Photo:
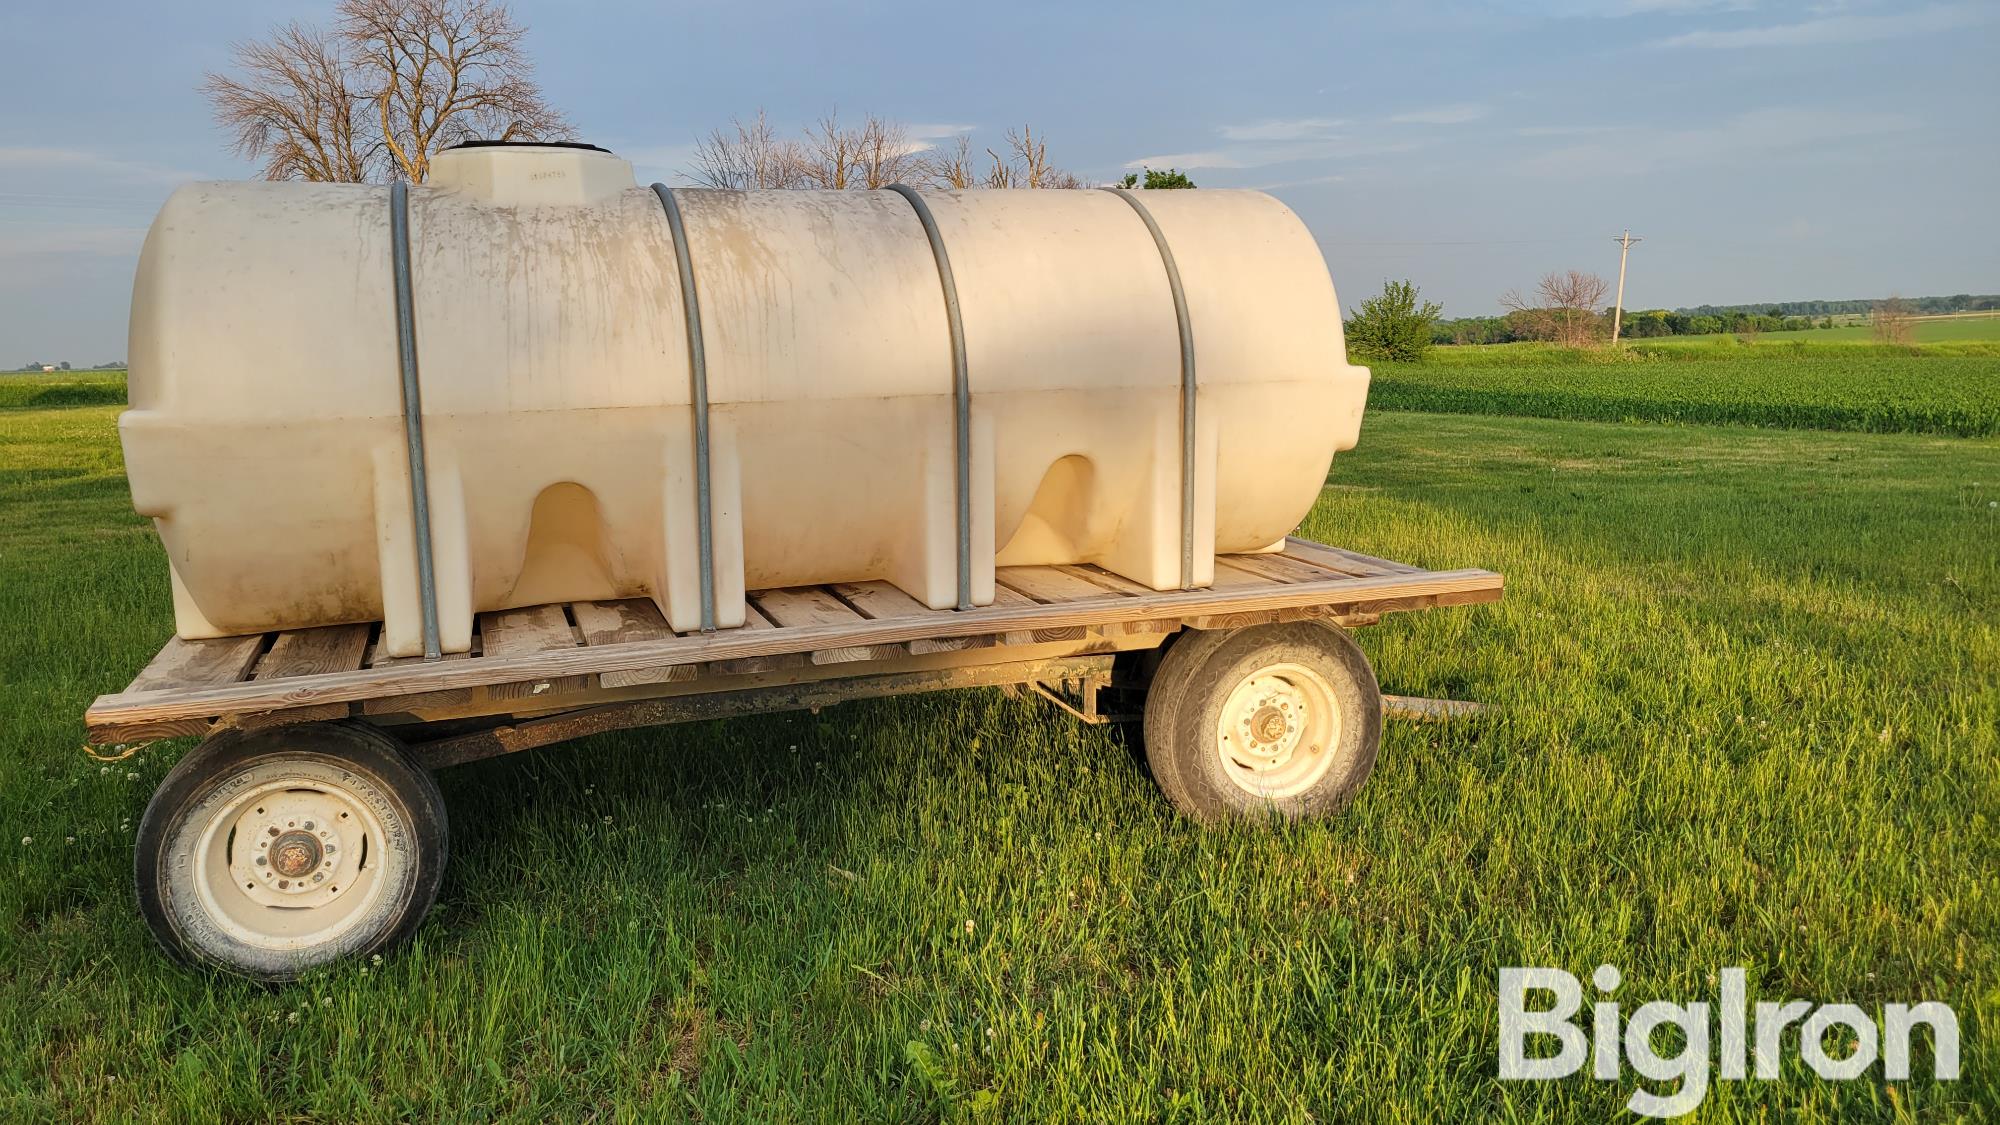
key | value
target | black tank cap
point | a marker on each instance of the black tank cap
(533, 144)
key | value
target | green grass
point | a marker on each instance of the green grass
(1745, 714)
(1852, 390)
(61, 388)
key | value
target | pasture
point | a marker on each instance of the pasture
(1744, 712)
(1829, 387)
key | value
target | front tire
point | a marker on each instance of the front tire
(271, 852)
(1281, 719)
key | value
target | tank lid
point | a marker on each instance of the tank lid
(531, 173)
(527, 144)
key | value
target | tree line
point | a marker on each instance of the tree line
(1921, 306)
(376, 95)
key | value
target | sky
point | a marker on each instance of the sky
(1765, 151)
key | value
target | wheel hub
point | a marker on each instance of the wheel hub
(1267, 724)
(1277, 730)
(294, 848)
(295, 854)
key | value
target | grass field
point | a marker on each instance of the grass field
(1834, 387)
(1745, 713)
(64, 388)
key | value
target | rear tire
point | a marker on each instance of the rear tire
(267, 853)
(1281, 719)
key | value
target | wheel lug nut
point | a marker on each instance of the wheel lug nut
(260, 861)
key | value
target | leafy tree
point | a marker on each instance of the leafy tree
(1393, 326)
(1156, 180)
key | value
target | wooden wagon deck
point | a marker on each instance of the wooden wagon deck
(551, 658)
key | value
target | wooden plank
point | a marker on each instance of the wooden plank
(1345, 561)
(756, 624)
(1119, 584)
(1006, 598)
(805, 606)
(181, 664)
(738, 644)
(1279, 568)
(614, 623)
(621, 622)
(531, 631)
(1097, 575)
(314, 652)
(1228, 577)
(1049, 585)
(517, 632)
(880, 601)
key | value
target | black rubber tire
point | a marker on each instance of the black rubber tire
(370, 763)
(1184, 705)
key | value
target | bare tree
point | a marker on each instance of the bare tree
(445, 71)
(394, 83)
(294, 106)
(875, 154)
(1029, 162)
(886, 155)
(1893, 322)
(829, 154)
(1563, 308)
(747, 156)
(949, 168)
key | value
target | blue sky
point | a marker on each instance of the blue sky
(1766, 151)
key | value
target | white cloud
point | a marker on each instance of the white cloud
(936, 132)
(1297, 129)
(1457, 114)
(1755, 133)
(1836, 29)
(1261, 144)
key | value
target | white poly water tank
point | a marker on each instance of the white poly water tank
(266, 434)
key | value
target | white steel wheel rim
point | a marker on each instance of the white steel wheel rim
(290, 862)
(1279, 731)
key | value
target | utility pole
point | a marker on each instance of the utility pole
(1618, 310)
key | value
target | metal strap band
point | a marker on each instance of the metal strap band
(698, 380)
(1187, 385)
(413, 414)
(961, 390)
